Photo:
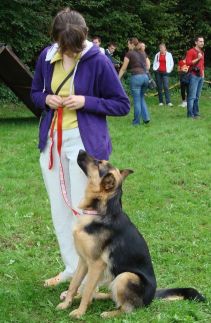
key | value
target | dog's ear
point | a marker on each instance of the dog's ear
(108, 182)
(125, 172)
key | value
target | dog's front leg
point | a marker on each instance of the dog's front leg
(74, 285)
(95, 271)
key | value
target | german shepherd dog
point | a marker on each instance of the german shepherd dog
(110, 246)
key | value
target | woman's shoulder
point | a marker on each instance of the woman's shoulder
(169, 54)
(130, 53)
(48, 52)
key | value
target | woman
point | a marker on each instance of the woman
(76, 116)
(138, 65)
(163, 65)
(142, 47)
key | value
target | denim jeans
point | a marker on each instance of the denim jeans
(162, 81)
(194, 91)
(138, 85)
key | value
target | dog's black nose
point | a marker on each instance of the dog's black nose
(81, 155)
(81, 151)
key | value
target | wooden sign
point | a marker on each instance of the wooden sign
(17, 77)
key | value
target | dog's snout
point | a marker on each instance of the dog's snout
(81, 155)
(81, 152)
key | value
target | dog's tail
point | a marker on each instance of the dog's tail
(179, 293)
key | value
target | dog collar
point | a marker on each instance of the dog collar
(90, 212)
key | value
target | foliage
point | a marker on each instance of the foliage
(25, 24)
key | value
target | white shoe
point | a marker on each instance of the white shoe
(160, 104)
(184, 104)
(170, 104)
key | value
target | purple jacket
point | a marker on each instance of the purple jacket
(96, 79)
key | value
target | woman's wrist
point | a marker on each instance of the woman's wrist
(47, 99)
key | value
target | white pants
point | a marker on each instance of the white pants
(75, 180)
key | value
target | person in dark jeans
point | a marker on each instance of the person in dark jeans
(195, 59)
(163, 65)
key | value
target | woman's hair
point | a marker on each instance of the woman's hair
(69, 30)
(133, 40)
(140, 45)
(97, 37)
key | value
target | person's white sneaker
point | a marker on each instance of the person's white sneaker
(170, 104)
(160, 104)
(184, 104)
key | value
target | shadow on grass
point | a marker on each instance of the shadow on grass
(19, 121)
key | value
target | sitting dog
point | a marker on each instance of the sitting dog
(110, 246)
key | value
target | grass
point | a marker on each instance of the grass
(168, 198)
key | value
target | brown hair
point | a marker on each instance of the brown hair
(69, 29)
(112, 44)
(196, 38)
(133, 40)
(97, 37)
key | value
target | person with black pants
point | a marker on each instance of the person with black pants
(182, 70)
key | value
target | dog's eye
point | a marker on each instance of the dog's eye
(103, 172)
(96, 162)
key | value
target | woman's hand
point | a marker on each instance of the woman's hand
(53, 101)
(74, 102)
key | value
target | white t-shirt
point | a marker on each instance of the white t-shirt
(102, 50)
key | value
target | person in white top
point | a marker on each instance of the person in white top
(96, 40)
(163, 65)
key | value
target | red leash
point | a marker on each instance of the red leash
(59, 113)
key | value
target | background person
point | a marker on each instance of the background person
(142, 47)
(195, 59)
(96, 40)
(163, 65)
(93, 92)
(182, 71)
(110, 52)
(136, 62)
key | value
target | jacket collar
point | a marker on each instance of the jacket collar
(54, 48)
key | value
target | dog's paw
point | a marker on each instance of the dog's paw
(63, 305)
(63, 295)
(76, 313)
(54, 281)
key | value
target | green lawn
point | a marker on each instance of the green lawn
(168, 198)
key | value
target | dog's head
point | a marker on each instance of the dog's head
(103, 179)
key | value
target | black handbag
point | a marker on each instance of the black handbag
(152, 84)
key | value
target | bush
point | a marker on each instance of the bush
(25, 24)
(6, 95)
